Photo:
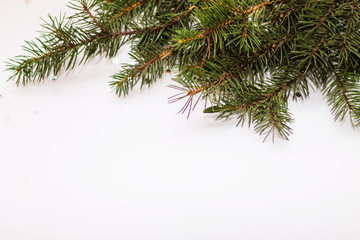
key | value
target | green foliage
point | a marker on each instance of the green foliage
(244, 57)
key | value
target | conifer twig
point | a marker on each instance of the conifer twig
(248, 58)
(86, 9)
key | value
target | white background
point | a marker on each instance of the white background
(77, 162)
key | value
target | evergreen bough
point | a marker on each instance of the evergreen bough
(246, 58)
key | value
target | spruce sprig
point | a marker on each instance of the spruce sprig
(247, 58)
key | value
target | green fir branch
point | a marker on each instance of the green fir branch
(247, 58)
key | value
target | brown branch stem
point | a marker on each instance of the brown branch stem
(86, 9)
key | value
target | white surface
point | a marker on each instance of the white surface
(77, 162)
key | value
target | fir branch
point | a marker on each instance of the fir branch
(272, 120)
(140, 68)
(238, 67)
(327, 14)
(246, 57)
(63, 37)
(180, 18)
(207, 89)
(154, 29)
(344, 95)
(86, 9)
(207, 32)
(268, 111)
(269, 96)
(125, 82)
(320, 43)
